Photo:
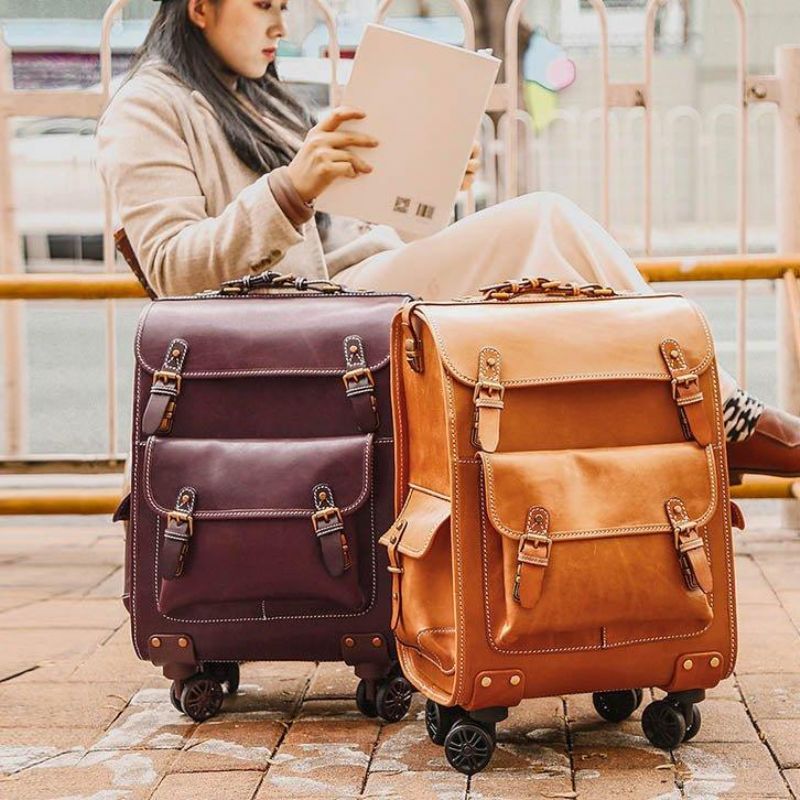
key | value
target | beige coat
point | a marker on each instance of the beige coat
(194, 213)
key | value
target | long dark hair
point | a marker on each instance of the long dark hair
(173, 38)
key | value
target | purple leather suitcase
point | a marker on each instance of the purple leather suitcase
(261, 478)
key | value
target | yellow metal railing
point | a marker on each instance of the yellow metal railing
(46, 286)
(125, 286)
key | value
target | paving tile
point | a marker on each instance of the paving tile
(505, 784)
(783, 737)
(405, 746)
(53, 576)
(222, 745)
(729, 770)
(790, 600)
(104, 614)
(24, 649)
(21, 748)
(63, 705)
(793, 778)
(725, 721)
(147, 725)
(238, 785)
(772, 696)
(419, 785)
(628, 768)
(321, 757)
(782, 570)
(332, 680)
(15, 598)
(108, 775)
(751, 585)
(769, 641)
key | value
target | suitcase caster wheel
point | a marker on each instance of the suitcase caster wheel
(439, 720)
(693, 728)
(225, 672)
(175, 695)
(468, 747)
(201, 697)
(363, 703)
(617, 706)
(664, 725)
(393, 698)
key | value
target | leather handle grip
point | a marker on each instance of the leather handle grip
(274, 280)
(506, 290)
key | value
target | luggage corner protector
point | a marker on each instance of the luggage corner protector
(696, 671)
(498, 688)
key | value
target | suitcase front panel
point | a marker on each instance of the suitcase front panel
(609, 556)
(252, 537)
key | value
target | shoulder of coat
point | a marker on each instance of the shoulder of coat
(152, 84)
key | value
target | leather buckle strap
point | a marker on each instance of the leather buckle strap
(178, 534)
(533, 556)
(687, 394)
(488, 401)
(328, 525)
(395, 534)
(164, 391)
(359, 384)
(690, 547)
(412, 345)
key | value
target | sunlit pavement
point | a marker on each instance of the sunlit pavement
(81, 717)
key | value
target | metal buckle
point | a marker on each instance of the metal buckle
(178, 517)
(323, 515)
(682, 380)
(355, 375)
(489, 387)
(681, 528)
(535, 537)
(164, 376)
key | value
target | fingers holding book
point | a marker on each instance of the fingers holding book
(324, 154)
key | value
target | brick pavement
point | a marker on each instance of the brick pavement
(82, 719)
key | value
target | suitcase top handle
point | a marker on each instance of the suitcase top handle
(272, 280)
(513, 288)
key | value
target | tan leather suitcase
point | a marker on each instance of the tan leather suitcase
(564, 521)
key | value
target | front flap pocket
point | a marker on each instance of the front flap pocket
(423, 515)
(244, 520)
(599, 540)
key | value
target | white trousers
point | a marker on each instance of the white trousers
(537, 234)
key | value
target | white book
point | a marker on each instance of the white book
(423, 102)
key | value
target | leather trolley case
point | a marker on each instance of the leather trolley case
(261, 478)
(564, 522)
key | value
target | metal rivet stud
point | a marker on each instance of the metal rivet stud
(155, 642)
(353, 348)
(715, 662)
(377, 641)
(323, 495)
(515, 680)
(183, 642)
(674, 354)
(349, 642)
(491, 361)
(486, 681)
(688, 664)
(176, 353)
(185, 498)
(395, 596)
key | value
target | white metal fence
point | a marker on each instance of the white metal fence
(661, 179)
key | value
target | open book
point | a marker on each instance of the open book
(423, 102)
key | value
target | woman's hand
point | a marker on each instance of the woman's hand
(323, 156)
(473, 166)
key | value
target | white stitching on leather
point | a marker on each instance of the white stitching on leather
(256, 513)
(497, 523)
(445, 357)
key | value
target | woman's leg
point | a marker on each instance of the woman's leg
(536, 234)
(546, 234)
